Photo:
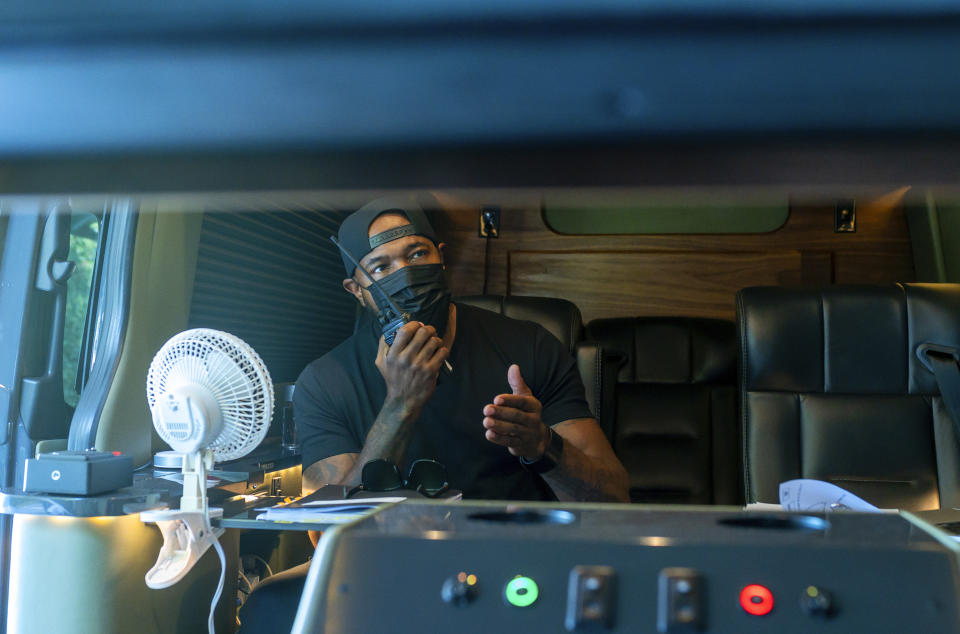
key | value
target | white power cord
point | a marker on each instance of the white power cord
(223, 575)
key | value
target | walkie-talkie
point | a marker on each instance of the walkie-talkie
(391, 318)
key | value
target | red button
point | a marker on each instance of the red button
(756, 600)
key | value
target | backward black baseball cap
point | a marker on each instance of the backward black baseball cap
(354, 230)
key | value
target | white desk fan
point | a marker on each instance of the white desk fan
(211, 398)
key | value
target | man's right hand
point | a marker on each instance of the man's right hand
(411, 365)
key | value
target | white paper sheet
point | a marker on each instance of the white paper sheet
(326, 511)
(816, 495)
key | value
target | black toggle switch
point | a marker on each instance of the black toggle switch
(460, 589)
(591, 599)
(680, 600)
(817, 602)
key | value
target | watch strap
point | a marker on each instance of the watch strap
(551, 455)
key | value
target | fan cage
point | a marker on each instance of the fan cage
(233, 372)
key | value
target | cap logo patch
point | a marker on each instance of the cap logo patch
(392, 234)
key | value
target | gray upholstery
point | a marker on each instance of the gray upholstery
(832, 390)
(674, 422)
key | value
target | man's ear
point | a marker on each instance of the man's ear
(440, 248)
(351, 286)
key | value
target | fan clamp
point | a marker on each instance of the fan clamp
(187, 532)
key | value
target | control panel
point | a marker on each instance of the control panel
(456, 568)
(592, 601)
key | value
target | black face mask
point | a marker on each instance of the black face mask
(420, 290)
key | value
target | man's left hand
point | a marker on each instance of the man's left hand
(513, 420)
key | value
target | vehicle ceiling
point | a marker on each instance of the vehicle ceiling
(296, 95)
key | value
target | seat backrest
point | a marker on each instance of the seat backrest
(674, 422)
(832, 389)
(562, 319)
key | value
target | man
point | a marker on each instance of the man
(507, 417)
(499, 402)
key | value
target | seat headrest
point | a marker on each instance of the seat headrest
(560, 317)
(670, 349)
(845, 339)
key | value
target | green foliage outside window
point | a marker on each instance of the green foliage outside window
(84, 237)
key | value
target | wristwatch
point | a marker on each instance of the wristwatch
(551, 455)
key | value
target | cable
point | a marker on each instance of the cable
(264, 562)
(216, 595)
(488, 230)
(144, 465)
(223, 558)
(486, 263)
(246, 581)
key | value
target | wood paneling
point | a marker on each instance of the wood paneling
(624, 284)
(872, 268)
(879, 252)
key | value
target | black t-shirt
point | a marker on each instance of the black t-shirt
(339, 395)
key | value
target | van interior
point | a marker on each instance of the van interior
(262, 266)
(653, 274)
(743, 220)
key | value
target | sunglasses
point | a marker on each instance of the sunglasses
(427, 477)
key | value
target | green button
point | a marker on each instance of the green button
(521, 591)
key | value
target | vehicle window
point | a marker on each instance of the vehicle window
(665, 211)
(84, 238)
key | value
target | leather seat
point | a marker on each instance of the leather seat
(674, 422)
(560, 317)
(832, 389)
(563, 320)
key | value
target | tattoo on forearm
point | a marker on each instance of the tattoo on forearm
(580, 478)
(388, 439)
(322, 473)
